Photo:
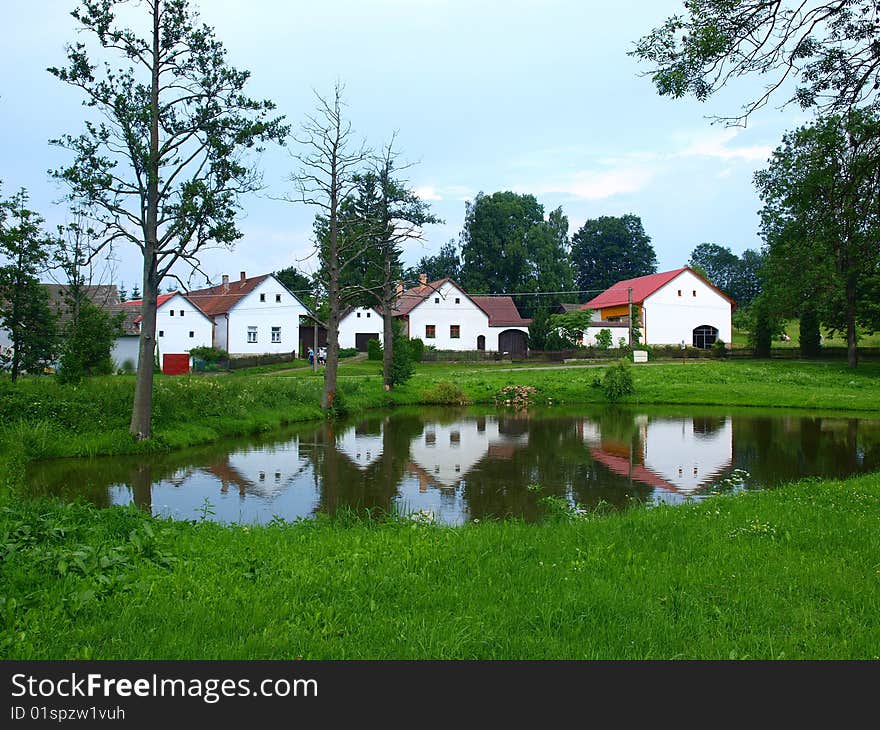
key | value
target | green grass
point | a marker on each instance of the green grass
(791, 573)
(793, 330)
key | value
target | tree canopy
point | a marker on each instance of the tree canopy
(737, 276)
(609, 249)
(830, 50)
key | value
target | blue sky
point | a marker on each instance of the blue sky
(535, 97)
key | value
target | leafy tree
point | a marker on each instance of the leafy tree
(750, 277)
(810, 337)
(300, 284)
(765, 324)
(609, 249)
(24, 304)
(495, 243)
(539, 329)
(548, 248)
(604, 340)
(738, 277)
(403, 362)
(445, 263)
(830, 48)
(88, 342)
(821, 219)
(567, 330)
(164, 165)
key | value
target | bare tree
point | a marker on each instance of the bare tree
(164, 165)
(327, 175)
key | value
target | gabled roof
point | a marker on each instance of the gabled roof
(103, 296)
(221, 298)
(502, 311)
(411, 298)
(136, 304)
(643, 287)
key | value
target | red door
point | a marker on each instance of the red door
(175, 364)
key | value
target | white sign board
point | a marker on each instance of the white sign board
(640, 356)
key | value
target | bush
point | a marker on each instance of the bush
(402, 368)
(618, 382)
(446, 393)
(209, 354)
(127, 366)
(719, 349)
(416, 349)
(604, 339)
(347, 352)
(374, 350)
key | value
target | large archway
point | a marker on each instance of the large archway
(513, 343)
(705, 336)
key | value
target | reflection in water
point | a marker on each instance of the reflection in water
(457, 466)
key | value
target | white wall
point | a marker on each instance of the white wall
(669, 318)
(685, 459)
(472, 320)
(616, 333)
(173, 331)
(361, 319)
(126, 348)
(264, 315)
(362, 449)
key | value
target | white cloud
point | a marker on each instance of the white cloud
(597, 184)
(428, 192)
(717, 146)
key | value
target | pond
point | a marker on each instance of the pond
(455, 465)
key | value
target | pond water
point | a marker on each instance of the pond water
(456, 465)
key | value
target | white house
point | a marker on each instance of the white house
(675, 306)
(442, 314)
(360, 325)
(251, 316)
(180, 325)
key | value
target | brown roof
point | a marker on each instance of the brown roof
(223, 297)
(411, 298)
(502, 311)
(103, 296)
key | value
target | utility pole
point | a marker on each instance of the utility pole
(629, 304)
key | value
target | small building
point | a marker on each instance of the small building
(675, 307)
(442, 314)
(358, 326)
(180, 324)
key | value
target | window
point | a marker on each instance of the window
(171, 313)
(430, 331)
(458, 300)
(436, 300)
(430, 438)
(278, 299)
(368, 315)
(276, 335)
(192, 334)
(359, 315)
(455, 438)
(181, 312)
(252, 334)
(679, 292)
(455, 331)
(695, 292)
(161, 333)
(262, 297)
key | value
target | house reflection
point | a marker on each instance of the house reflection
(676, 457)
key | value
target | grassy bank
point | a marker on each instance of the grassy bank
(790, 573)
(43, 419)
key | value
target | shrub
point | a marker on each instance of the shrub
(374, 350)
(621, 343)
(604, 339)
(416, 349)
(347, 352)
(618, 382)
(719, 349)
(402, 367)
(209, 354)
(127, 366)
(446, 393)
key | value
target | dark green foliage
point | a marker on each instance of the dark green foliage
(347, 352)
(374, 350)
(604, 339)
(87, 343)
(609, 249)
(765, 324)
(209, 354)
(830, 49)
(402, 361)
(416, 349)
(810, 337)
(719, 348)
(24, 304)
(301, 285)
(445, 264)
(617, 382)
(567, 330)
(539, 329)
(739, 278)
(446, 393)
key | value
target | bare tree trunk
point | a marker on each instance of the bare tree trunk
(388, 326)
(142, 410)
(332, 366)
(852, 350)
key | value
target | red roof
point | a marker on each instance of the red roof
(223, 297)
(643, 287)
(638, 472)
(160, 300)
(411, 298)
(502, 311)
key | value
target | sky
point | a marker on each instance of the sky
(531, 96)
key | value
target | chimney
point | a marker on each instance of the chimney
(423, 279)
(243, 277)
(225, 282)
(398, 289)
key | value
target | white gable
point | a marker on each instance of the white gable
(681, 305)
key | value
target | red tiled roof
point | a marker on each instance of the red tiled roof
(160, 300)
(411, 298)
(638, 472)
(502, 311)
(643, 287)
(221, 298)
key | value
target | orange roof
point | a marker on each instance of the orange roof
(223, 297)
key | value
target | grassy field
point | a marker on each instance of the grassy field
(793, 330)
(790, 573)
